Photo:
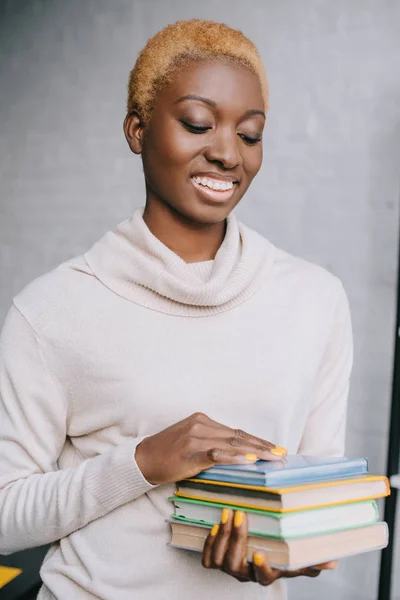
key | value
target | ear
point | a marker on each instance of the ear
(134, 129)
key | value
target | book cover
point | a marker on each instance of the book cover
(294, 553)
(291, 470)
(271, 524)
(287, 498)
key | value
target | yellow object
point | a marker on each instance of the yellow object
(251, 457)
(286, 490)
(238, 518)
(7, 574)
(224, 516)
(282, 491)
(278, 451)
(258, 559)
(214, 529)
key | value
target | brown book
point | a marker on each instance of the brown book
(295, 553)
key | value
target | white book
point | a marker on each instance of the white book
(287, 525)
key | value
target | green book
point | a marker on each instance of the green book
(301, 523)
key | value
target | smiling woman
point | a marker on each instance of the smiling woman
(180, 340)
(197, 143)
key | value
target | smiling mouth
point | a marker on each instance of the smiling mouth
(214, 189)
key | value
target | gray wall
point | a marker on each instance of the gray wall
(328, 190)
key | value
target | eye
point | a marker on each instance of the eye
(251, 141)
(195, 128)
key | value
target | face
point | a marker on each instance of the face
(202, 146)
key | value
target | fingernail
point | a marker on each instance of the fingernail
(224, 516)
(278, 451)
(258, 559)
(238, 520)
(251, 457)
(214, 529)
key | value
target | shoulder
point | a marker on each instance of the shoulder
(302, 284)
(304, 273)
(58, 292)
(312, 284)
(295, 272)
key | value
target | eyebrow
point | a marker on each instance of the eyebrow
(248, 113)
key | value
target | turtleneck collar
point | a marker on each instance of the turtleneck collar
(136, 265)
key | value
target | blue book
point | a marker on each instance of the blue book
(290, 470)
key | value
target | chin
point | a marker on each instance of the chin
(205, 212)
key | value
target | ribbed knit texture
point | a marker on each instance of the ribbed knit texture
(134, 264)
(104, 351)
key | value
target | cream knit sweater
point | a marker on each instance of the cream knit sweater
(121, 343)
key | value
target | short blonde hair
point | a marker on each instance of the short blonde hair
(182, 43)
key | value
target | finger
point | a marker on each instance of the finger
(239, 436)
(263, 573)
(220, 456)
(263, 448)
(237, 447)
(315, 570)
(236, 556)
(305, 572)
(208, 546)
(328, 566)
(221, 542)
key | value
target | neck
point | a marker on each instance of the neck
(193, 242)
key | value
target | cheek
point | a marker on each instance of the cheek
(252, 160)
(174, 147)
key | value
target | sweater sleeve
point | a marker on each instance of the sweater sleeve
(39, 503)
(325, 429)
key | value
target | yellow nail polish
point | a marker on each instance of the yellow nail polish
(251, 457)
(238, 519)
(214, 529)
(224, 516)
(258, 559)
(278, 451)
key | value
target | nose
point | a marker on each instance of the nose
(224, 149)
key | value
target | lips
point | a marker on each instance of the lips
(213, 188)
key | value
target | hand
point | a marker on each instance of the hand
(226, 549)
(195, 444)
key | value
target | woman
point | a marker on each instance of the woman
(180, 340)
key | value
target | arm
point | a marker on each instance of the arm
(38, 503)
(324, 432)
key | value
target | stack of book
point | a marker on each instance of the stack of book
(302, 510)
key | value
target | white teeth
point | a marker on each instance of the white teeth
(213, 184)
